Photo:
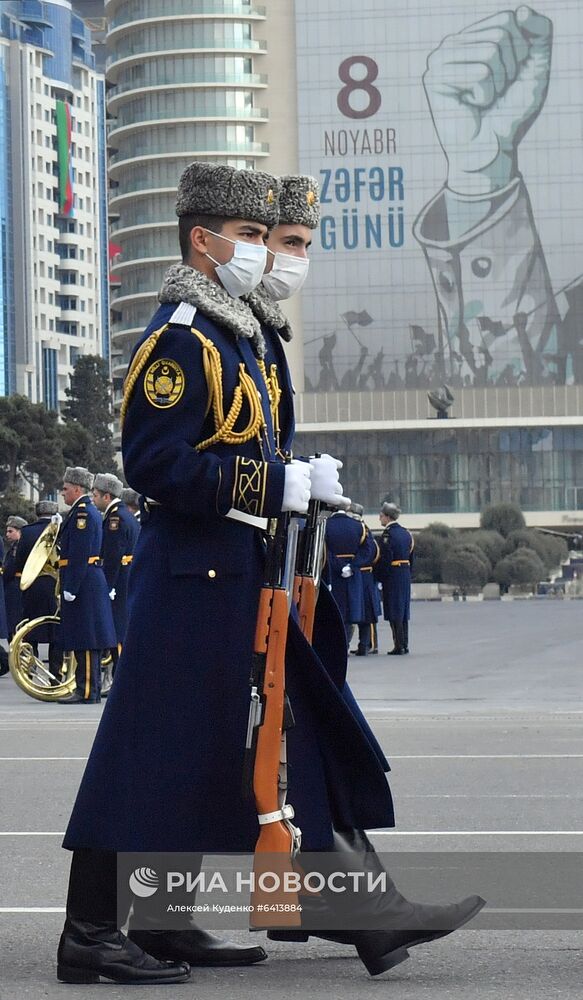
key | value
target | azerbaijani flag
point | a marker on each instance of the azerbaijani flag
(64, 158)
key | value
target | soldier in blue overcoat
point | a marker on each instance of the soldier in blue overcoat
(40, 599)
(287, 248)
(200, 444)
(367, 627)
(120, 533)
(11, 575)
(345, 536)
(86, 620)
(132, 501)
(394, 572)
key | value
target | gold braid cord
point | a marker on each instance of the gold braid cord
(273, 391)
(137, 366)
(213, 372)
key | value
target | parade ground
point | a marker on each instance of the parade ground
(483, 726)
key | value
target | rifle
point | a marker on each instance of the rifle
(265, 764)
(309, 566)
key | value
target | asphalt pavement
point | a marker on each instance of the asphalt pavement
(483, 726)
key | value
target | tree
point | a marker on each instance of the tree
(89, 406)
(491, 543)
(30, 444)
(15, 503)
(465, 569)
(550, 550)
(429, 552)
(464, 544)
(521, 566)
(502, 517)
(441, 529)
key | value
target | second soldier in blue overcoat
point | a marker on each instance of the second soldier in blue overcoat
(394, 572)
(344, 540)
(86, 619)
(120, 533)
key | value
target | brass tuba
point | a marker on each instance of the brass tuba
(31, 674)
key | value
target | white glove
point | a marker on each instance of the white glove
(296, 491)
(112, 594)
(68, 596)
(56, 519)
(346, 572)
(326, 482)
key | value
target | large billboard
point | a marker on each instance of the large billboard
(447, 139)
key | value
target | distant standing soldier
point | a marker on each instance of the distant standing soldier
(12, 591)
(367, 628)
(40, 599)
(86, 619)
(344, 540)
(132, 501)
(120, 533)
(394, 572)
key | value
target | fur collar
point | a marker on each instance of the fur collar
(185, 284)
(269, 312)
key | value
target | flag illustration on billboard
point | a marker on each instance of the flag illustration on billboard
(357, 318)
(64, 158)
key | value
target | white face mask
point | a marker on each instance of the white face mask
(243, 272)
(286, 276)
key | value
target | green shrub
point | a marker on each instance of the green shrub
(465, 568)
(502, 517)
(521, 566)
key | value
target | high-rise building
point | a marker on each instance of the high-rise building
(54, 291)
(185, 81)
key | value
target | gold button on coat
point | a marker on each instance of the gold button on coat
(212, 573)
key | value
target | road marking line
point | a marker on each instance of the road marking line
(475, 833)
(486, 756)
(32, 909)
(4, 759)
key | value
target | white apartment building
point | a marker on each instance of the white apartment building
(55, 281)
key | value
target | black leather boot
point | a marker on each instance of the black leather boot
(96, 952)
(400, 924)
(397, 630)
(197, 947)
(92, 949)
(406, 636)
(192, 945)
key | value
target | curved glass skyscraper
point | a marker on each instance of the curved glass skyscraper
(184, 83)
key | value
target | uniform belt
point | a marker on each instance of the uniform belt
(400, 562)
(92, 561)
(126, 560)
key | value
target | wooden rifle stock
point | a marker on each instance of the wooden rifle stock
(265, 762)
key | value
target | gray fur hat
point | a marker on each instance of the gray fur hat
(15, 522)
(78, 476)
(299, 201)
(216, 189)
(130, 496)
(391, 510)
(105, 482)
(46, 508)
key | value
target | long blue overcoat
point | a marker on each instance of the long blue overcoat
(120, 534)
(394, 572)
(38, 600)
(344, 542)
(165, 769)
(86, 622)
(371, 595)
(12, 591)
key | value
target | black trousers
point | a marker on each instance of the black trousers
(367, 638)
(88, 674)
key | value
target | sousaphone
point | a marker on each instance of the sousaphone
(32, 674)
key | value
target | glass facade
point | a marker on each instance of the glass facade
(103, 243)
(7, 320)
(458, 470)
(50, 382)
(176, 70)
